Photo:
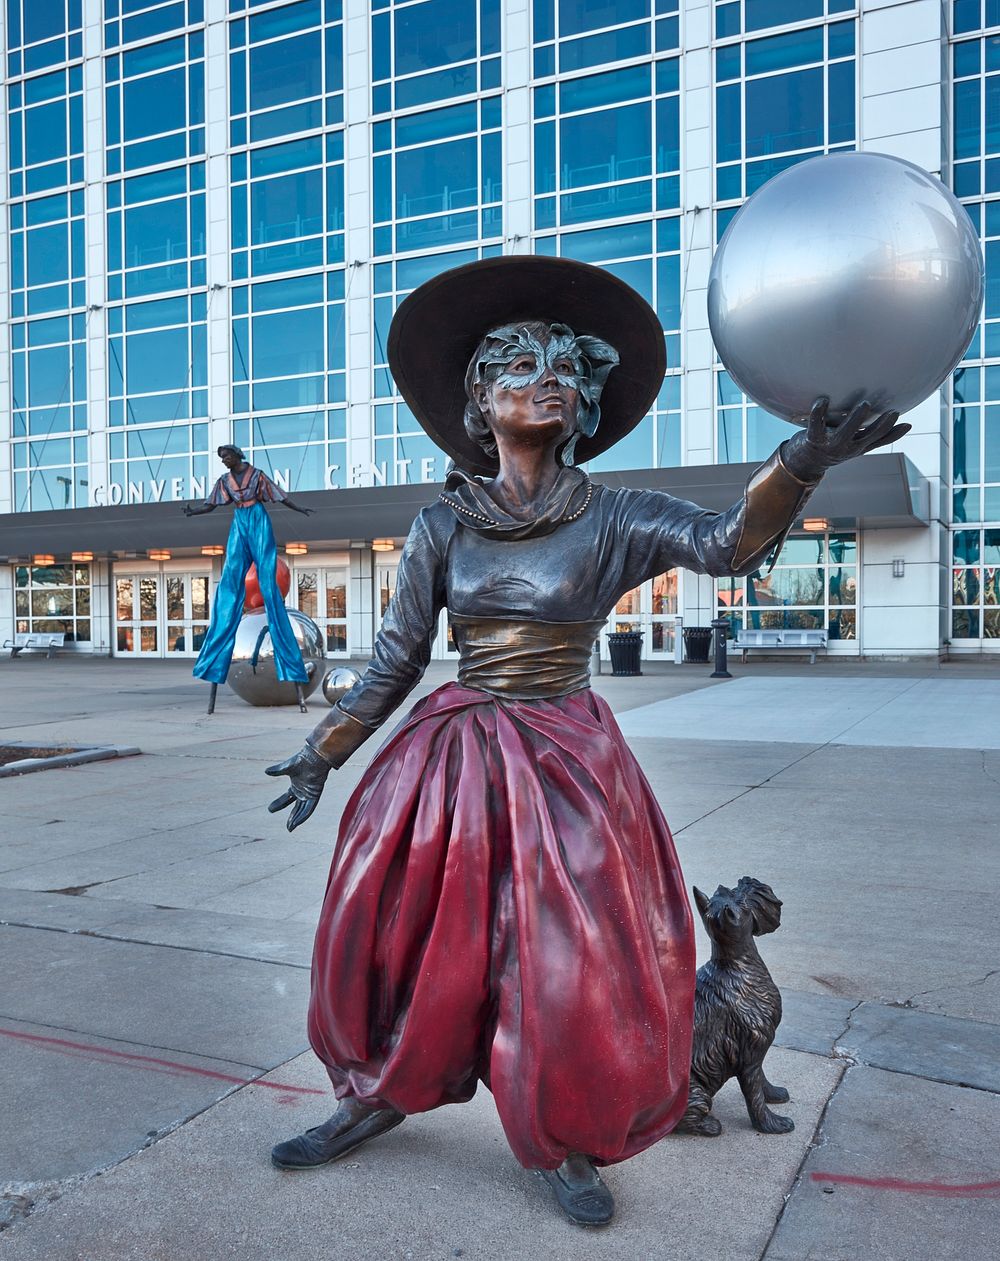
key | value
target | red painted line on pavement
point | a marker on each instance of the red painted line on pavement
(150, 1062)
(947, 1190)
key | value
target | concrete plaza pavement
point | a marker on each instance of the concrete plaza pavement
(156, 925)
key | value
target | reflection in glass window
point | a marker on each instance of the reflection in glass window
(780, 99)
(286, 70)
(433, 50)
(438, 177)
(125, 24)
(155, 103)
(813, 586)
(322, 595)
(975, 584)
(601, 139)
(42, 33)
(581, 34)
(744, 431)
(156, 232)
(289, 352)
(53, 599)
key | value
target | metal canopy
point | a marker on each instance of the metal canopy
(877, 492)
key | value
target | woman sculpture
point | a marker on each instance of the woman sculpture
(251, 541)
(505, 904)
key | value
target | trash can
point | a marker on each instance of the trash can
(697, 642)
(626, 652)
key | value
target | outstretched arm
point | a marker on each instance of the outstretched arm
(666, 533)
(191, 511)
(402, 651)
(290, 503)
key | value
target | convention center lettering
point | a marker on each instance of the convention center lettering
(160, 490)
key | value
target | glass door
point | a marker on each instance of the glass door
(322, 595)
(187, 606)
(137, 615)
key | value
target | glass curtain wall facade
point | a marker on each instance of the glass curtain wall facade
(213, 208)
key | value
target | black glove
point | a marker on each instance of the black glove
(308, 772)
(823, 443)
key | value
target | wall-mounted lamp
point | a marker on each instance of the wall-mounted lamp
(898, 567)
(212, 549)
(295, 549)
(816, 525)
(43, 560)
(82, 556)
(158, 553)
(383, 545)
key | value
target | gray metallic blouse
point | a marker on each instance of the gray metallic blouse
(552, 581)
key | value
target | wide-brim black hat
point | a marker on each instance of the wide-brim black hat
(437, 329)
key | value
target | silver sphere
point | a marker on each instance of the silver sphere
(338, 682)
(855, 275)
(260, 685)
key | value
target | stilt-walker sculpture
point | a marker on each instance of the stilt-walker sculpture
(251, 541)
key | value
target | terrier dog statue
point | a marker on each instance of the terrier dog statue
(737, 1009)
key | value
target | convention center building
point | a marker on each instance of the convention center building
(213, 207)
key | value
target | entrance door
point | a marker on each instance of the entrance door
(137, 615)
(161, 614)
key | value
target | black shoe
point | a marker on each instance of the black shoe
(316, 1148)
(587, 1206)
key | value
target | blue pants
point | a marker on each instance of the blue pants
(251, 541)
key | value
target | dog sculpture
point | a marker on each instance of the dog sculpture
(737, 1009)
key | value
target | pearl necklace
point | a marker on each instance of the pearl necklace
(479, 516)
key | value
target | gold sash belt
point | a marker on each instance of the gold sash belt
(524, 660)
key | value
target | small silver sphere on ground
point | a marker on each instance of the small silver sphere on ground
(338, 682)
(259, 685)
(855, 275)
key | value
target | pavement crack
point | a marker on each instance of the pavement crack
(949, 985)
(106, 935)
(816, 1140)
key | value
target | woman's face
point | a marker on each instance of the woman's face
(534, 400)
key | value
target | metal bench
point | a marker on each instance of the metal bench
(810, 641)
(46, 642)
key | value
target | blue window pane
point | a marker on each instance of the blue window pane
(157, 361)
(728, 62)
(598, 50)
(155, 104)
(841, 39)
(43, 20)
(966, 16)
(436, 33)
(992, 113)
(967, 143)
(48, 376)
(599, 203)
(436, 124)
(604, 89)
(45, 132)
(292, 17)
(668, 136)
(784, 112)
(577, 16)
(668, 289)
(841, 121)
(727, 19)
(437, 177)
(48, 255)
(780, 52)
(613, 241)
(545, 158)
(289, 343)
(289, 206)
(606, 147)
(633, 451)
(156, 233)
(764, 13)
(425, 88)
(728, 134)
(286, 71)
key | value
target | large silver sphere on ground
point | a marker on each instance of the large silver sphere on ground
(338, 682)
(856, 275)
(258, 684)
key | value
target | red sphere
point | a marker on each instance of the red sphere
(254, 599)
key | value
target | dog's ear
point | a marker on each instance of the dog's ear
(764, 906)
(700, 900)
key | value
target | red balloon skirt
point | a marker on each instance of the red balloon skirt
(505, 905)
